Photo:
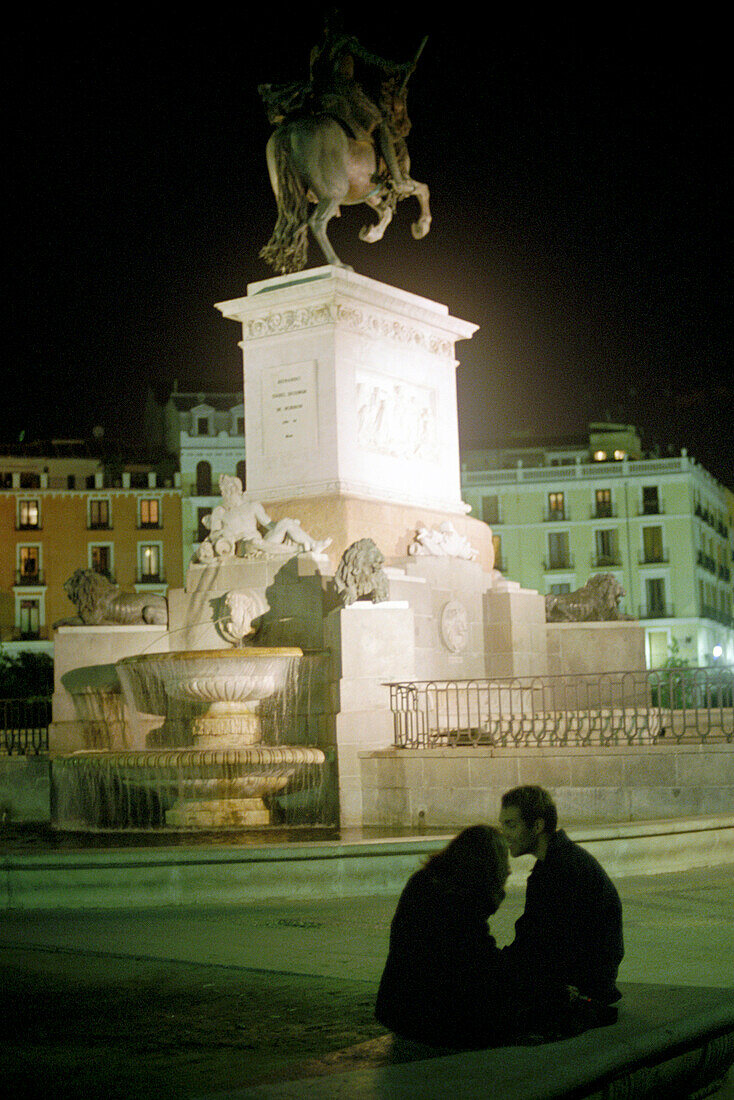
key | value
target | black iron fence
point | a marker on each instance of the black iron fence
(613, 708)
(24, 726)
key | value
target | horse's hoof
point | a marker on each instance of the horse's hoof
(420, 228)
(369, 235)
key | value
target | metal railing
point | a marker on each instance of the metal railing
(24, 726)
(613, 708)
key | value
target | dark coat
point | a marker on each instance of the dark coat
(442, 982)
(571, 930)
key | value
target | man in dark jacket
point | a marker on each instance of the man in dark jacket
(571, 930)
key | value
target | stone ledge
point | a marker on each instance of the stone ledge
(669, 1041)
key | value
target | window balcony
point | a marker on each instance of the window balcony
(603, 511)
(657, 611)
(716, 615)
(29, 526)
(654, 557)
(557, 563)
(606, 561)
(99, 525)
(31, 578)
(705, 562)
(152, 525)
(556, 515)
(151, 578)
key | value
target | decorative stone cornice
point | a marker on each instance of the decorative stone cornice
(365, 322)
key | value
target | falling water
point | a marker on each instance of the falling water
(151, 771)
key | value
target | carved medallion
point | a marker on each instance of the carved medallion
(454, 626)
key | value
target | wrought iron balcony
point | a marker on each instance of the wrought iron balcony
(30, 577)
(654, 557)
(558, 562)
(657, 611)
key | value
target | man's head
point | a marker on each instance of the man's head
(528, 819)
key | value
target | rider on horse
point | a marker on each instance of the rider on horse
(364, 92)
(338, 91)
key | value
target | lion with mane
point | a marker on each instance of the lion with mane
(359, 575)
(98, 600)
(597, 601)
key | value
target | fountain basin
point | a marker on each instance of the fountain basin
(178, 788)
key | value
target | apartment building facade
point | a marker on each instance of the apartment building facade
(60, 512)
(206, 432)
(562, 511)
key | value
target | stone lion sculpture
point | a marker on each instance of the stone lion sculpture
(98, 600)
(597, 601)
(359, 575)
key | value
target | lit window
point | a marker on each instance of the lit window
(150, 513)
(556, 506)
(28, 513)
(150, 562)
(600, 456)
(619, 455)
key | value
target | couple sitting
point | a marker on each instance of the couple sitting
(446, 983)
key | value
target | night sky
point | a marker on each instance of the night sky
(580, 176)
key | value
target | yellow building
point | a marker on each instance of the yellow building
(563, 511)
(62, 512)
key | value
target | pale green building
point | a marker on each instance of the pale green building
(563, 510)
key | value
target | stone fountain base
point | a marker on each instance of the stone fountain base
(177, 788)
(218, 813)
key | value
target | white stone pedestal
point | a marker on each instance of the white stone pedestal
(515, 631)
(350, 408)
(371, 644)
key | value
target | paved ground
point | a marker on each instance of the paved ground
(185, 1002)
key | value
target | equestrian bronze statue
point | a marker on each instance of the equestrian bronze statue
(339, 141)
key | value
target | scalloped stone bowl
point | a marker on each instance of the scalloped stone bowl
(220, 780)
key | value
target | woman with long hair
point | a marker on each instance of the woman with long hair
(443, 981)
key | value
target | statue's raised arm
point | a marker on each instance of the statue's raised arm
(339, 141)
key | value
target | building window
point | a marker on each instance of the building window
(29, 618)
(30, 480)
(29, 565)
(491, 509)
(499, 562)
(242, 472)
(603, 503)
(203, 479)
(29, 514)
(607, 551)
(650, 500)
(556, 506)
(150, 563)
(655, 593)
(201, 530)
(99, 514)
(652, 544)
(240, 425)
(100, 559)
(150, 512)
(202, 425)
(558, 555)
(70, 481)
(559, 589)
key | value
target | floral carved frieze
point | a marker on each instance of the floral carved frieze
(363, 322)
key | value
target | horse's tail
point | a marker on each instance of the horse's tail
(287, 249)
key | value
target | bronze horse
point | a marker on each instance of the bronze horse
(313, 159)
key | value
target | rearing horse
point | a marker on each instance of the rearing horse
(313, 159)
